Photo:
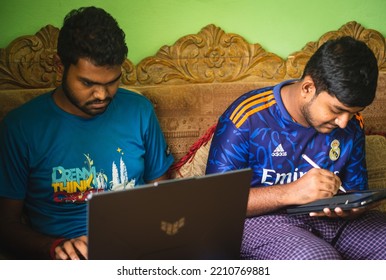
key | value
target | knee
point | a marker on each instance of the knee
(315, 251)
(291, 250)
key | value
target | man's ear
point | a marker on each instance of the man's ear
(308, 89)
(59, 69)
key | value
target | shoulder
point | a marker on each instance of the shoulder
(250, 104)
(132, 98)
(253, 95)
(33, 107)
(356, 124)
(354, 132)
(131, 95)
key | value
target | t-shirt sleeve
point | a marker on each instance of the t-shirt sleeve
(354, 176)
(158, 157)
(229, 148)
(13, 162)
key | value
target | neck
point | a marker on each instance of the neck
(291, 97)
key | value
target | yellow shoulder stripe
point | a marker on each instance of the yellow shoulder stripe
(246, 108)
(251, 112)
(250, 99)
(359, 117)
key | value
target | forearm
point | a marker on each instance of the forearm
(316, 184)
(263, 200)
(20, 240)
(17, 236)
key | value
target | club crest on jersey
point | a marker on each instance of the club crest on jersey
(335, 150)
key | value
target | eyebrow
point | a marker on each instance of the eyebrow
(342, 109)
(101, 84)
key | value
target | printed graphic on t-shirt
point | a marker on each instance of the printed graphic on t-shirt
(73, 185)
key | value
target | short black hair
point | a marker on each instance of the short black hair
(91, 33)
(345, 68)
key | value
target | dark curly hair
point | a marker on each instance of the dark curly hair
(92, 33)
(345, 68)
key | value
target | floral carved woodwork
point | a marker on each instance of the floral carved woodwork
(28, 61)
(296, 62)
(209, 56)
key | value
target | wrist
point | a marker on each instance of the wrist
(56, 243)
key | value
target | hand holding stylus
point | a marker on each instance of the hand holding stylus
(310, 161)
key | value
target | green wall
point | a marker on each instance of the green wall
(280, 26)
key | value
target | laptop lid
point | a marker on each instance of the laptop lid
(191, 218)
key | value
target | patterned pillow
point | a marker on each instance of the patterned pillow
(376, 162)
(194, 163)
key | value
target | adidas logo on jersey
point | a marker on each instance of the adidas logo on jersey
(279, 152)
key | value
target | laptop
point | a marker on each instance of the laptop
(346, 201)
(190, 218)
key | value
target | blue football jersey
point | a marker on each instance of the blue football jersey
(256, 131)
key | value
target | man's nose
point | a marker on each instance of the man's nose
(343, 119)
(100, 92)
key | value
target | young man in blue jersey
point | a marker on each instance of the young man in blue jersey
(86, 136)
(269, 130)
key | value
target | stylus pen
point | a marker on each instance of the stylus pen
(310, 161)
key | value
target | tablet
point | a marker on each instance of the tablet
(346, 201)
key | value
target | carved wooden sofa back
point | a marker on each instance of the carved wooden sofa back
(191, 82)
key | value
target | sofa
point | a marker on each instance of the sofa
(191, 83)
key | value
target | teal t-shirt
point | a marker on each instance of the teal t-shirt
(53, 160)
